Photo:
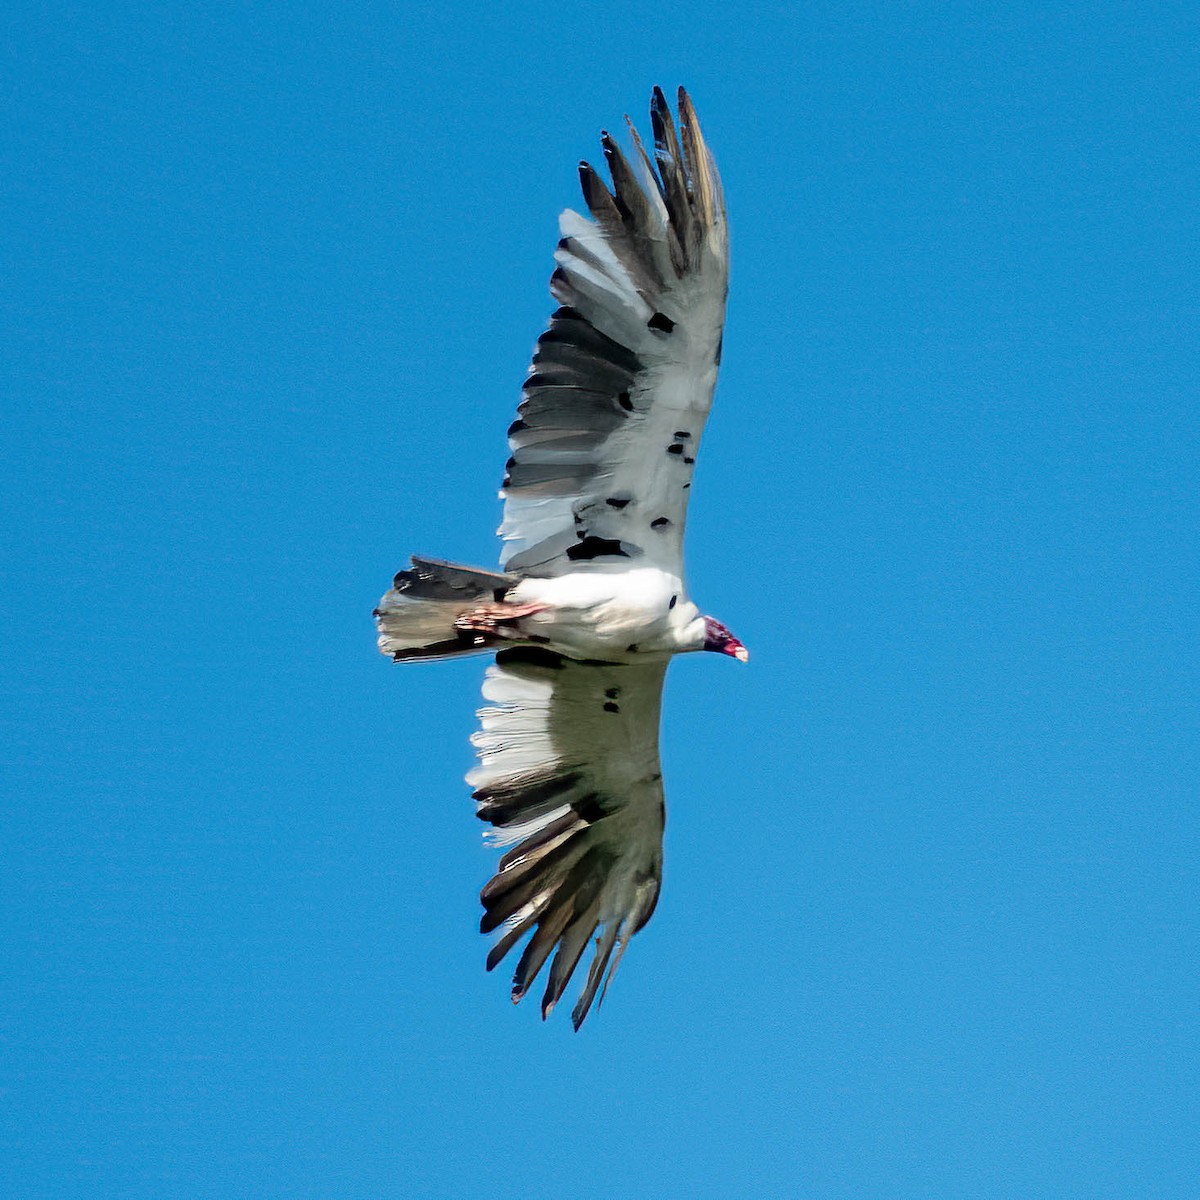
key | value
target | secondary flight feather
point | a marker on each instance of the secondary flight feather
(590, 603)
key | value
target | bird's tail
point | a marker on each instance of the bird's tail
(417, 618)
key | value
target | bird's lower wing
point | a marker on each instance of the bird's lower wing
(569, 776)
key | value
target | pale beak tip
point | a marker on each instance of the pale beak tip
(742, 654)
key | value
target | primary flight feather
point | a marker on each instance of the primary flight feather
(590, 604)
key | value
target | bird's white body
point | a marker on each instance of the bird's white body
(617, 617)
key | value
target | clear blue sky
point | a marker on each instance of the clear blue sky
(271, 277)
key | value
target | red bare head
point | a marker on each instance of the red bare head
(717, 637)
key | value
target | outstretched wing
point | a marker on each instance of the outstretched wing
(622, 381)
(569, 776)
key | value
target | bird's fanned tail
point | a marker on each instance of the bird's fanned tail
(417, 618)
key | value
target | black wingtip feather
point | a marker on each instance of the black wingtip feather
(596, 195)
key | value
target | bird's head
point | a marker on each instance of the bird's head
(718, 638)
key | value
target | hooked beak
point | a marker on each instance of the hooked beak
(718, 638)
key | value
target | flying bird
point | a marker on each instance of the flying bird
(590, 603)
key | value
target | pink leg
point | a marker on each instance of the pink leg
(490, 619)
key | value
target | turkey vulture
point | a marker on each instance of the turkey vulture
(590, 603)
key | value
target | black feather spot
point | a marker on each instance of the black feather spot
(675, 448)
(595, 547)
(612, 693)
(720, 347)
(624, 401)
(674, 601)
(660, 322)
(609, 706)
(631, 648)
(499, 593)
(532, 656)
(687, 460)
(682, 434)
(659, 523)
(590, 807)
(617, 501)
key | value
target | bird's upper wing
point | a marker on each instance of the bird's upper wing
(622, 381)
(569, 772)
